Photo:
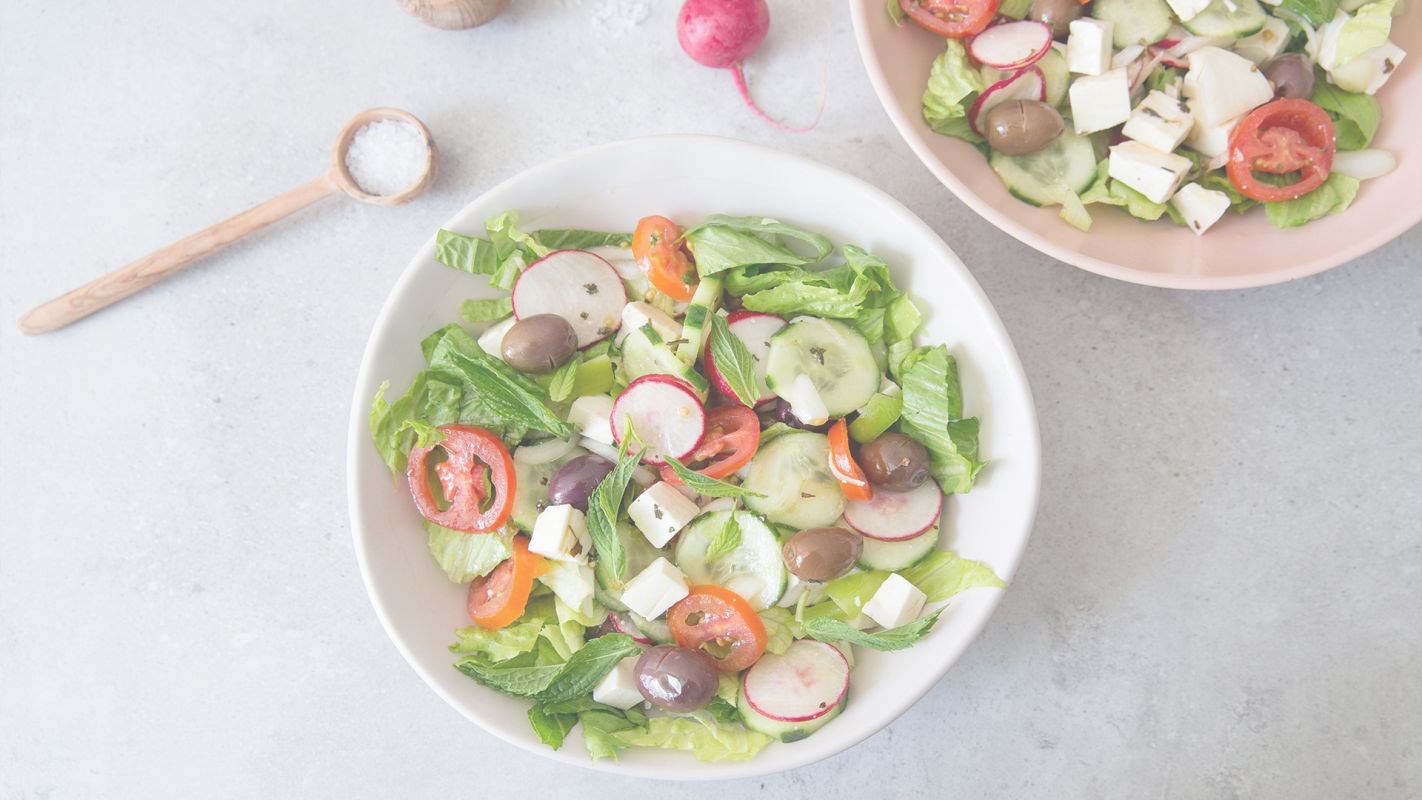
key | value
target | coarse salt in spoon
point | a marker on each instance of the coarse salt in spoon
(383, 156)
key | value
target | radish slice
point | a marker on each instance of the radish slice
(1011, 46)
(896, 516)
(578, 286)
(665, 415)
(543, 452)
(805, 683)
(754, 329)
(623, 624)
(1025, 84)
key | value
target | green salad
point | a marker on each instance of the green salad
(685, 473)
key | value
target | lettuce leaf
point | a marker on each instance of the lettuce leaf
(494, 395)
(953, 85)
(1335, 195)
(466, 556)
(1111, 192)
(575, 239)
(1313, 12)
(943, 574)
(1356, 117)
(1368, 28)
(780, 629)
(841, 292)
(485, 310)
(551, 728)
(396, 427)
(723, 242)
(552, 683)
(500, 645)
(933, 407)
(700, 733)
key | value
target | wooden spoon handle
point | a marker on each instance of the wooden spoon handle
(115, 286)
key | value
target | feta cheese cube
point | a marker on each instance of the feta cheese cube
(635, 315)
(571, 583)
(1200, 207)
(561, 533)
(655, 589)
(1159, 121)
(1089, 46)
(805, 401)
(1100, 102)
(1267, 43)
(660, 512)
(1210, 140)
(897, 602)
(1147, 170)
(491, 341)
(592, 415)
(1222, 85)
(619, 688)
(1187, 10)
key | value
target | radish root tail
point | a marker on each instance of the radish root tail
(744, 89)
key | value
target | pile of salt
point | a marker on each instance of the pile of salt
(387, 157)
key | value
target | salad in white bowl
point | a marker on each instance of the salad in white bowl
(1179, 108)
(685, 473)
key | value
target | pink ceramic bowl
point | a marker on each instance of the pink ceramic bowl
(1240, 251)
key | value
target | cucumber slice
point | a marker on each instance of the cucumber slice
(645, 353)
(836, 358)
(531, 487)
(1218, 20)
(753, 570)
(655, 629)
(1055, 76)
(640, 553)
(894, 556)
(1069, 163)
(698, 319)
(793, 473)
(1134, 21)
(794, 686)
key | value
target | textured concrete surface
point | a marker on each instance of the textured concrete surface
(1223, 597)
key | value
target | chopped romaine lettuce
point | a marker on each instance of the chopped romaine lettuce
(1356, 117)
(932, 414)
(700, 733)
(723, 242)
(943, 574)
(498, 645)
(953, 85)
(1335, 195)
(780, 628)
(466, 556)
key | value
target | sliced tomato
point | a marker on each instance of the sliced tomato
(476, 460)
(659, 251)
(500, 597)
(955, 19)
(731, 439)
(720, 622)
(1281, 137)
(841, 462)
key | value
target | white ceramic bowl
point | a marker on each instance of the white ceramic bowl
(685, 177)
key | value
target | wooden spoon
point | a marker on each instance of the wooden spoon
(150, 269)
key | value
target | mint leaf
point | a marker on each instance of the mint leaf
(711, 487)
(552, 683)
(564, 378)
(604, 504)
(726, 539)
(829, 629)
(734, 362)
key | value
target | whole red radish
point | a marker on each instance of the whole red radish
(723, 33)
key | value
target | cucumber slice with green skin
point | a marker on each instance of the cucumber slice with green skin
(645, 353)
(878, 414)
(640, 553)
(791, 696)
(836, 358)
(786, 732)
(697, 321)
(793, 474)
(1055, 75)
(655, 629)
(1134, 21)
(531, 486)
(1217, 19)
(894, 556)
(754, 570)
(1068, 163)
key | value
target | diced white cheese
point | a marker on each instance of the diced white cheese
(491, 341)
(897, 602)
(1210, 140)
(1222, 85)
(1187, 10)
(637, 314)
(655, 589)
(561, 533)
(1368, 72)
(1159, 121)
(1147, 170)
(661, 512)
(805, 401)
(619, 688)
(1267, 43)
(572, 583)
(1100, 102)
(1089, 46)
(1200, 207)
(591, 414)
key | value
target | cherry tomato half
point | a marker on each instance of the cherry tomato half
(500, 597)
(659, 251)
(473, 454)
(1284, 136)
(731, 439)
(955, 19)
(841, 462)
(721, 623)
